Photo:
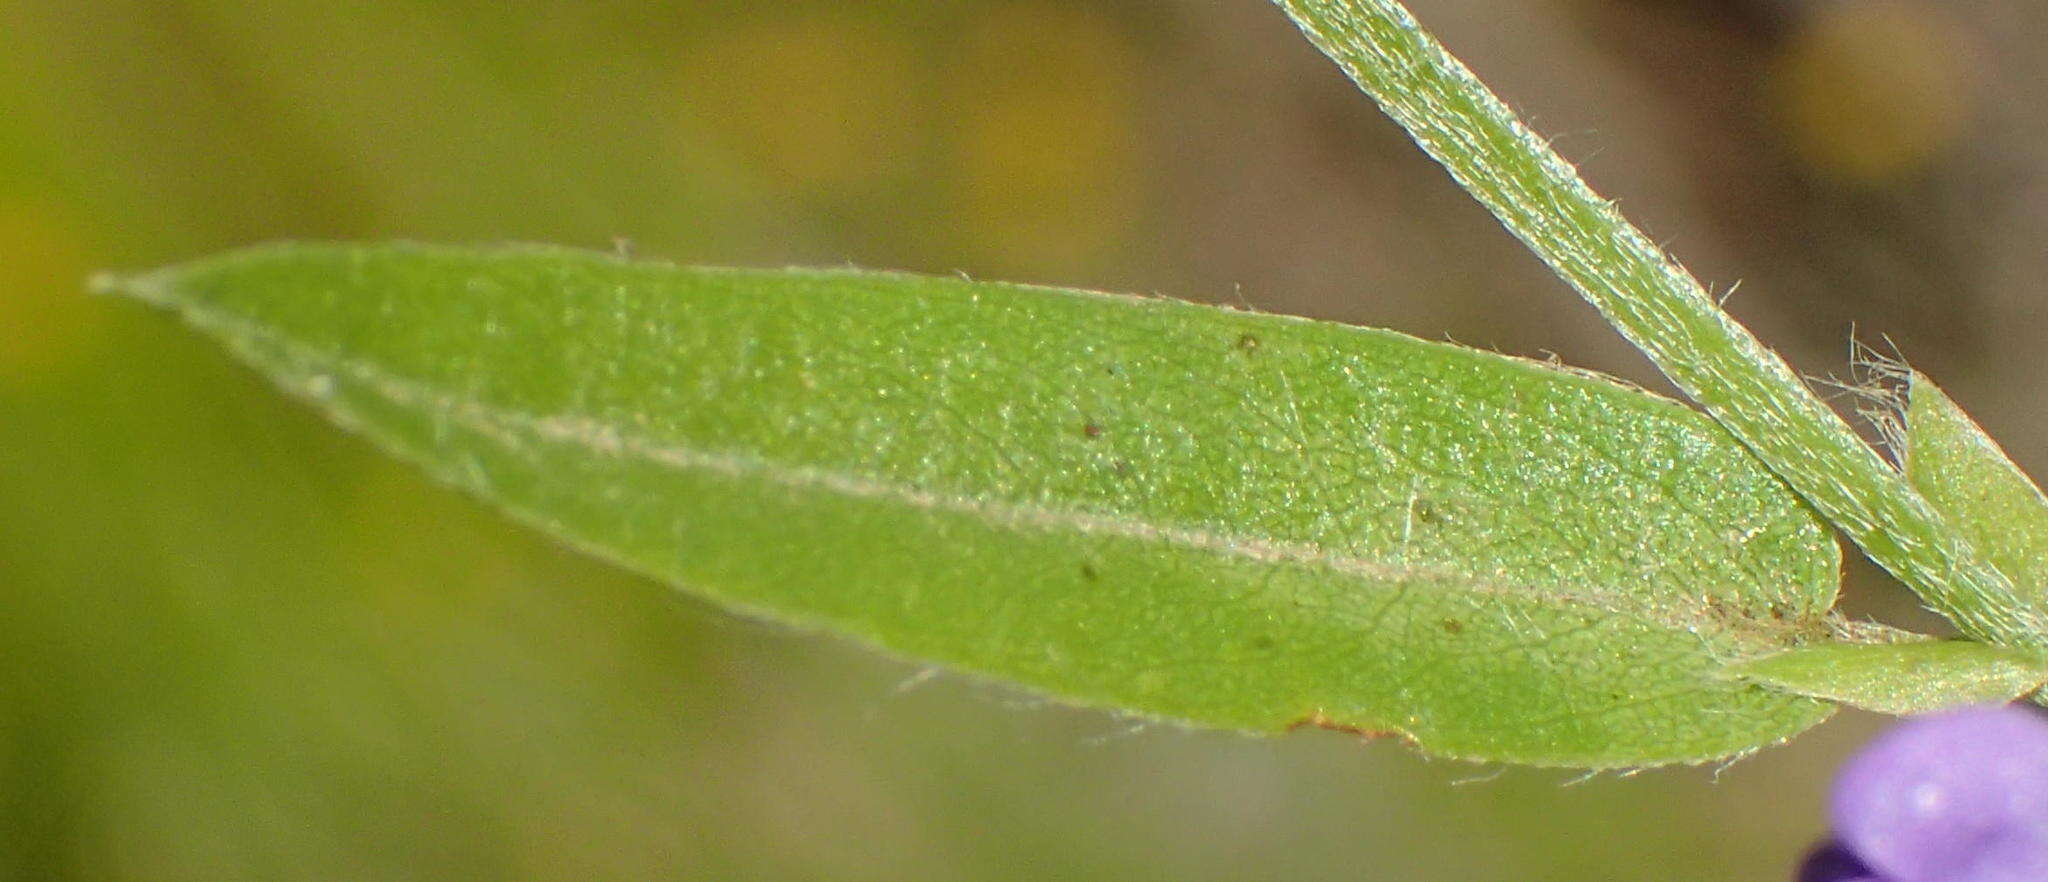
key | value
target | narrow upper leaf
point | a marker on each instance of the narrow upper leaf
(1223, 518)
(1966, 477)
(1903, 678)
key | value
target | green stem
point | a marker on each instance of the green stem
(1663, 310)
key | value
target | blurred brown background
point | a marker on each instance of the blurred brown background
(235, 644)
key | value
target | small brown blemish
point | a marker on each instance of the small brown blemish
(1247, 344)
(1317, 720)
(1091, 430)
(1089, 572)
(1716, 607)
(1454, 627)
(1122, 468)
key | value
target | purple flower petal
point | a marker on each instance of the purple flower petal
(1830, 862)
(1960, 796)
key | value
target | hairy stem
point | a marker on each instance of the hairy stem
(1663, 310)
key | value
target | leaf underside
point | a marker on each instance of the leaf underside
(1178, 511)
(1969, 480)
(1903, 678)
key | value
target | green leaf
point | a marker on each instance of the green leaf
(1189, 513)
(1902, 678)
(1970, 481)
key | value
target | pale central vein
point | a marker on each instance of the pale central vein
(515, 429)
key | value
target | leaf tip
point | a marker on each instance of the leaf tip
(148, 287)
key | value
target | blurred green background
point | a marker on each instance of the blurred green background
(237, 644)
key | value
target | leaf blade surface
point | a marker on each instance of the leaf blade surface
(1228, 519)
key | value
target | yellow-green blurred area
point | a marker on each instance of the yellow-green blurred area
(237, 644)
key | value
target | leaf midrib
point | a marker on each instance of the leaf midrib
(513, 428)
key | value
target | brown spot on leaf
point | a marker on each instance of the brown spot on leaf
(1091, 430)
(1317, 720)
(1717, 608)
(1454, 627)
